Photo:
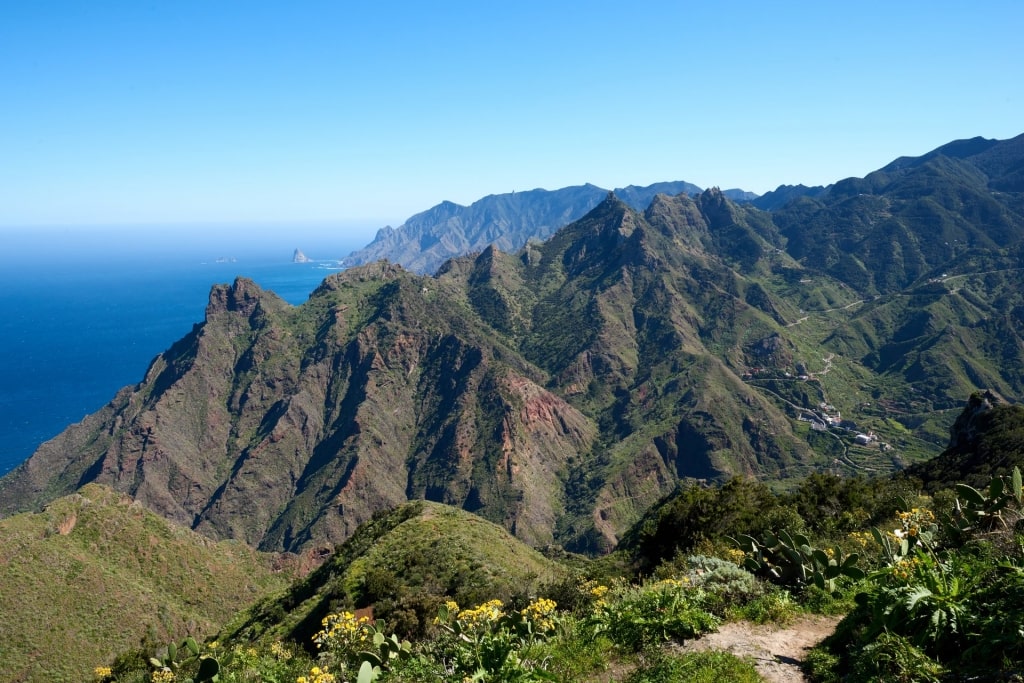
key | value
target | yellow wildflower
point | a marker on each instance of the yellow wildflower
(342, 629)
(280, 651)
(102, 672)
(665, 584)
(317, 675)
(861, 538)
(734, 555)
(483, 614)
(540, 613)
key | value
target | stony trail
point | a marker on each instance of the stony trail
(775, 650)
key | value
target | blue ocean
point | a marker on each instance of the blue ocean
(83, 314)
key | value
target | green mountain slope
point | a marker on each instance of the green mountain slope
(404, 564)
(562, 390)
(95, 573)
(881, 233)
(987, 440)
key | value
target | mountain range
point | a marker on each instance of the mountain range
(563, 389)
(507, 221)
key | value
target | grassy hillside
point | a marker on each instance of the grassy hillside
(405, 563)
(95, 573)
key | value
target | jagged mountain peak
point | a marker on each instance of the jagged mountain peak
(243, 296)
(425, 241)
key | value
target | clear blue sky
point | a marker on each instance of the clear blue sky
(361, 114)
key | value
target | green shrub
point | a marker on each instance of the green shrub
(727, 586)
(774, 607)
(637, 618)
(712, 666)
(821, 665)
(894, 658)
(818, 601)
(574, 655)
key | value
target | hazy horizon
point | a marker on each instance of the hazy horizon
(195, 243)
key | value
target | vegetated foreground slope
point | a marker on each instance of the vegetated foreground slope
(563, 390)
(96, 573)
(404, 564)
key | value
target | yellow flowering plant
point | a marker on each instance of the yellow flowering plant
(917, 527)
(347, 641)
(485, 642)
(251, 663)
(317, 675)
(342, 638)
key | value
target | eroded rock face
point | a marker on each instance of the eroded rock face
(288, 429)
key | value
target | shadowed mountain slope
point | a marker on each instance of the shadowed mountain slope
(987, 440)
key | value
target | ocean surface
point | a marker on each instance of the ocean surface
(77, 324)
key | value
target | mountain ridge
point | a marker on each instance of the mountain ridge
(427, 239)
(561, 390)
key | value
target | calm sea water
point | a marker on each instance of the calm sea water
(74, 332)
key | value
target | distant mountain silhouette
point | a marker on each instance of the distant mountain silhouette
(508, 221)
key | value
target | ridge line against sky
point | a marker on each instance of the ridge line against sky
(365, 114)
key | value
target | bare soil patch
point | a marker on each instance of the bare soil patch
(775, 650)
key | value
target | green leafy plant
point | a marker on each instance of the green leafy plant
(697, 667)
(984, 510)
(386, 648)
(922, 598)
(790, 560)
(638, 618)
(176, 661)
(891, 657)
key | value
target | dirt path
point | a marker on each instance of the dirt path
(776, 651)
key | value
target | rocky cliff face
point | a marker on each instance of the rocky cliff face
(986, 440)
(285, 427)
